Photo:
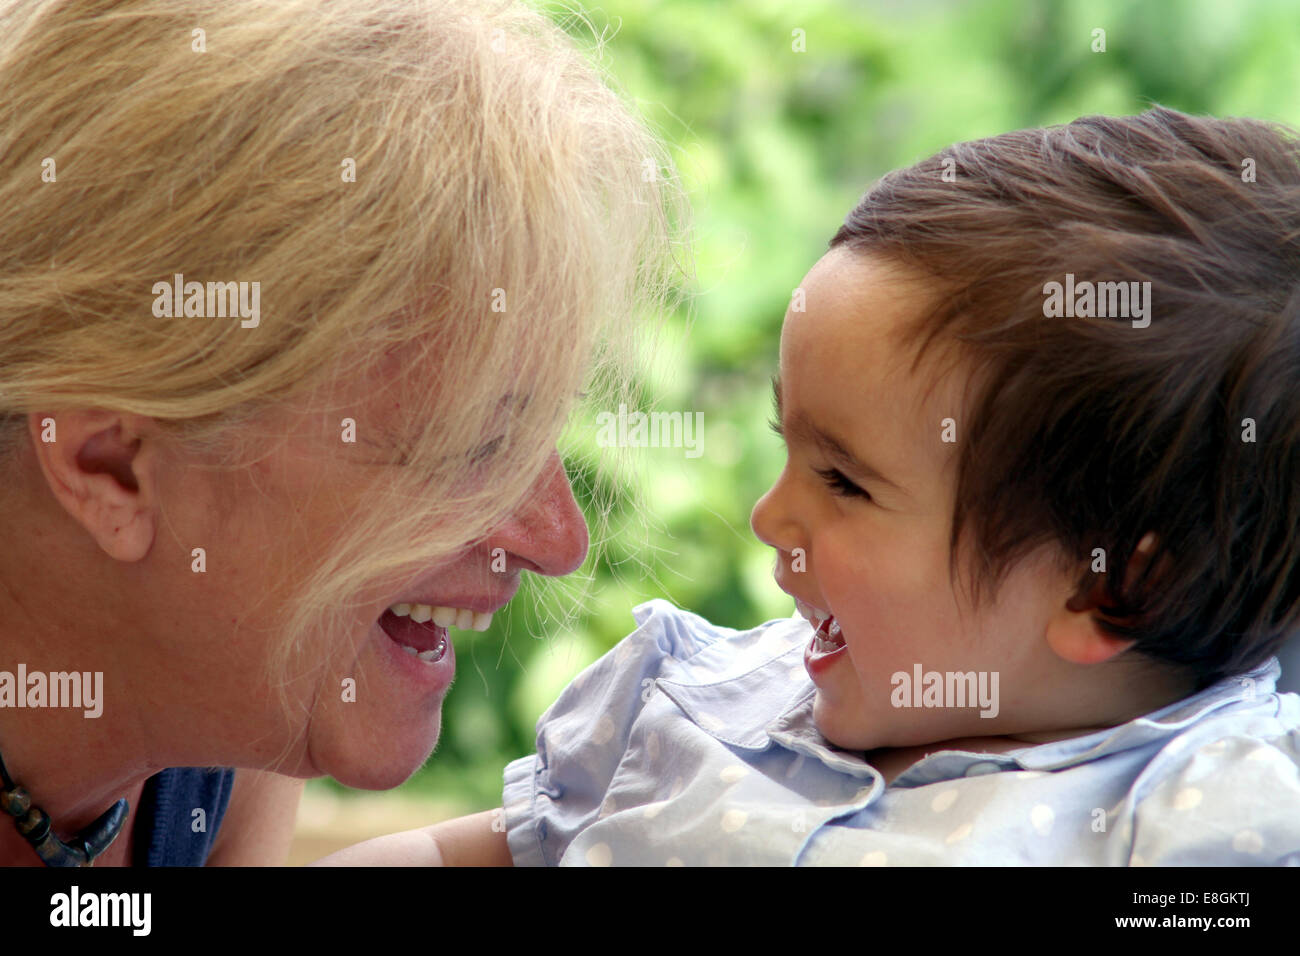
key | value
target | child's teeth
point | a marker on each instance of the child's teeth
(462, 618)
(825, 646)
(814, 615)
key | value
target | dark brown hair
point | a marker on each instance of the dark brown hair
(1090, 432)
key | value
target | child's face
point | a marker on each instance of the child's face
(874, 535)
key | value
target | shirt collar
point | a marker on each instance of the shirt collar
(1243, 692)
(738, 711)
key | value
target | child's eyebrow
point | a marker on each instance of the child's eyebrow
(800, 429)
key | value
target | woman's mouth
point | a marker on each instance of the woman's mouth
(421, 629)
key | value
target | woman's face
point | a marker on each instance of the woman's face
(364, 710)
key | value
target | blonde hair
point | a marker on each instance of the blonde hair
(493, 163)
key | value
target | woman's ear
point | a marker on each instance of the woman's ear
(100, 467)
(1073, 631)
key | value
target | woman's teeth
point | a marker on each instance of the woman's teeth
(461, 618)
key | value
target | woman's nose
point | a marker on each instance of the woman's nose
(548, 534)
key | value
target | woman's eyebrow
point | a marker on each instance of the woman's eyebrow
(523, 399)
(801, 429)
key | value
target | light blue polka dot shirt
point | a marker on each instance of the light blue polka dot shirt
(692, 744)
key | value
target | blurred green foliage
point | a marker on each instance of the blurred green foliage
(775, 146)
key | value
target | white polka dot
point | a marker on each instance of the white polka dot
(1042, 819)
(653, 810)
(1260, 753)
(732, 772)
(674, 861)
(733, 820)
(709, 722)
(1218, 747)
(652, 745)
(1175, 745)
(1247, 841)
(942, 801)
(862, 794)
(874, 858)
(1137, 860)
(677, 788)
(607, 807)
(600, 855)
(1187, 798)
(959, 834)
(603, 732)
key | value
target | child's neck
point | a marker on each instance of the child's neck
(892, 761)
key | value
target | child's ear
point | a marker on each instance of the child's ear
(1073, 631)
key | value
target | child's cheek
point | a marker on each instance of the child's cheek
(893, 595)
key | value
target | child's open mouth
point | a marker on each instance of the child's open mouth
(827, 639)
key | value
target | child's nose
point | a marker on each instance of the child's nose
(771, 519)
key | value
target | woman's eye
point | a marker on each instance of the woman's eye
(841, 485)
(477, 456)
(485, 451)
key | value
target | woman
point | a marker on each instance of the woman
(295, 300)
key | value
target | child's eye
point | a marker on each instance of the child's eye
(777, 430)
(841, 485)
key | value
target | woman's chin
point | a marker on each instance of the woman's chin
(368, 765)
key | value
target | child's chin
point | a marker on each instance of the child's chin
(839, 732)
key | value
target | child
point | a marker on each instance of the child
(1041, 519)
